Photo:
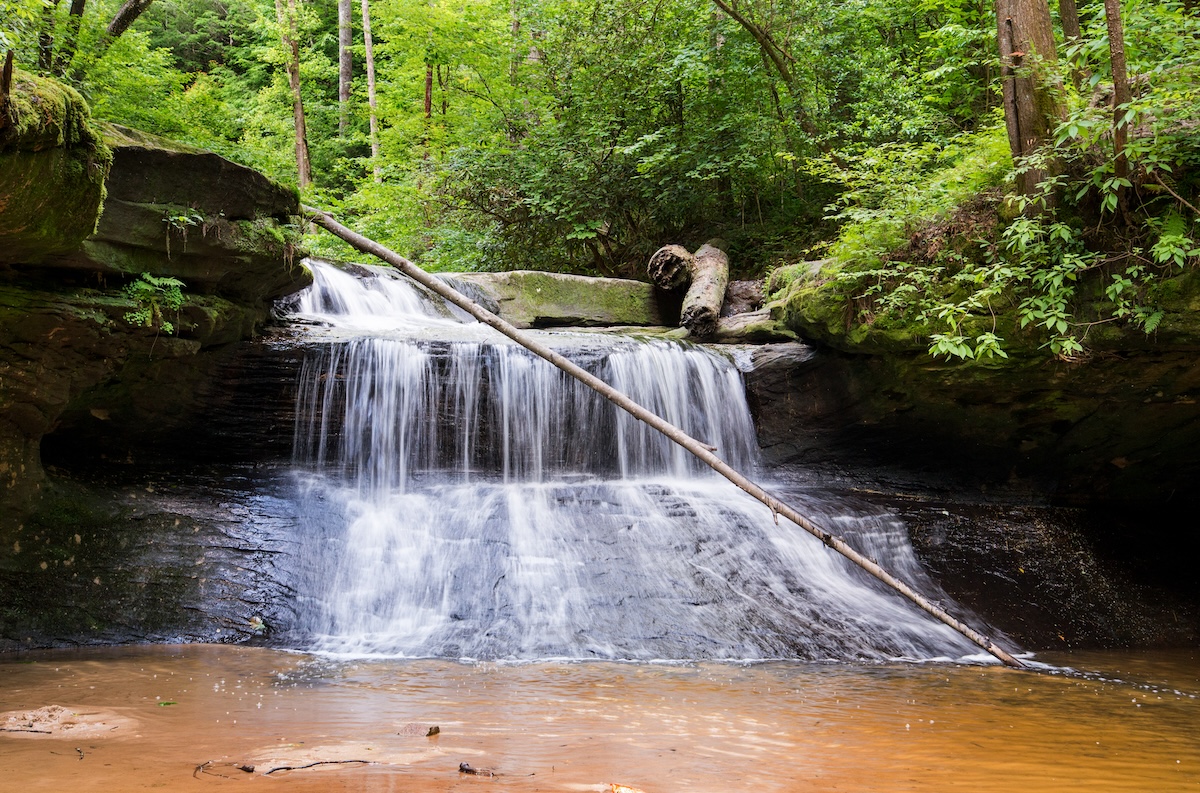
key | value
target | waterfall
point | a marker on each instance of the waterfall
(463, 498)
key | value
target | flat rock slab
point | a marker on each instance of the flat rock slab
(59, 721)
(533, 299)
(293, 757)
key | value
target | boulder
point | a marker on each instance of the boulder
(752, 327)
(534, 299)
(53, 165)
(174, 210)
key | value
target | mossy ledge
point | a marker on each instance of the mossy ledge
(1119, 424)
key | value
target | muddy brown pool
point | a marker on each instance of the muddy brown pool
(185, 717)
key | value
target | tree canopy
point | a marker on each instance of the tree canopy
(580, 135)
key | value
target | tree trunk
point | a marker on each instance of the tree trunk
(125, 17)
(370, 63)
(1032, 105)
(5, 88)
(1122, 95)
(777, 57)
(1072, 35)
(291, 43)
(345, 65)
(514, 53)
(428, 91)
(705, 273)
(46, 37)
(700, 450)
(66, 52)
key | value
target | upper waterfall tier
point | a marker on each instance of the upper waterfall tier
(385, 405)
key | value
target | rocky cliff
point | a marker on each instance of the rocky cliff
(88, 208)
(1119, 424)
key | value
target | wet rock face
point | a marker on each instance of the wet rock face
(137, 559)
(1055, 578)
(1117, 428)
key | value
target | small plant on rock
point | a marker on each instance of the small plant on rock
(154, 297)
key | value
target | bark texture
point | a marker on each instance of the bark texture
(1122, 95)
(369, 54)
(345, 64)
(702, 303)
(1032, 105)
(1069, 14)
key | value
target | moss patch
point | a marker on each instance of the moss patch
(529, 298)
(53, 167)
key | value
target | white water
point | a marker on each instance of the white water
(466, 499)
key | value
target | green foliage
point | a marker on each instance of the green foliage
(154, 297)
(920, 243)
(18, 23)
(579, 136)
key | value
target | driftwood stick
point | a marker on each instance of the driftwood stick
(319, 762)
(666, 428)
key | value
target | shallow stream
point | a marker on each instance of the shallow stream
(1124, 722)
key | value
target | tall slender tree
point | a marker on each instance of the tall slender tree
(1068, 14)
(1122, 95)
(66, 52)
(345, 64)
(369, 53)
(291, 43)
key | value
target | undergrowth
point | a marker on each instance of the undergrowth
(934, 236)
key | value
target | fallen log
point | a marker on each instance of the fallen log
(705, 274)
(702, 303)
(670, 267)
(700, 450)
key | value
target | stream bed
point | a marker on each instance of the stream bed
(185, 716)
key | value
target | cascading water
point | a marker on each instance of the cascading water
(463, 498)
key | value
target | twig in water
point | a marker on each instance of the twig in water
(319, 762)
(19, 729)
(203, 768)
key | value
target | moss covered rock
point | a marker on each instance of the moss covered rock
(174, 210)
(53, 166)
(1118, 423)
(534, 299)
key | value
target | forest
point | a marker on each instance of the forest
(948, 162)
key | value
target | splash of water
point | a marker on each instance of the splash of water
(464, 498)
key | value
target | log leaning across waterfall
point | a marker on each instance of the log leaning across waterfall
(706, 275)
(700, 450)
